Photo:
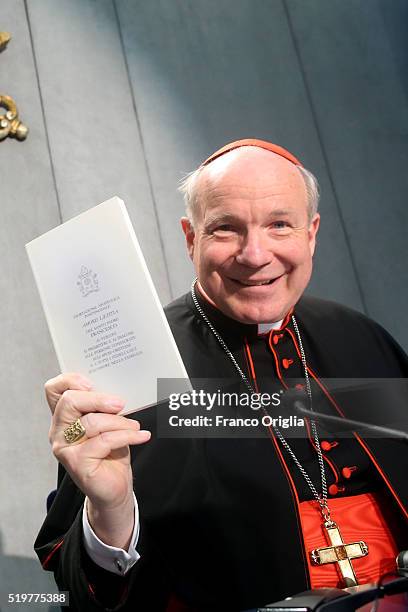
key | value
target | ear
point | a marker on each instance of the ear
(312, 231)
(189, 234)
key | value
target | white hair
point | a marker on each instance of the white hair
(188, 187)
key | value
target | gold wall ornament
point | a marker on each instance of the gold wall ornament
(5, 38)
(10, 124)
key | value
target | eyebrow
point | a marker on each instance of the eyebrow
(281, 212)
(223, 217)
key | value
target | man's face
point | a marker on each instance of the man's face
(252, 243)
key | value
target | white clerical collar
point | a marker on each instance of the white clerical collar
(264, 328)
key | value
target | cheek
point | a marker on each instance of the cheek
(302, 266)
(212, 257)
(299, 253)
(298, 261)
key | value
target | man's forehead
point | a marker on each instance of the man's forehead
(247, 175)
(248, 171)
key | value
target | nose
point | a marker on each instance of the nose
(255, 250)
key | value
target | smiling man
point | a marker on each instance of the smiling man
(238, 522)
(252, 233)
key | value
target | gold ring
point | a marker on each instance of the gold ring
(74, 432)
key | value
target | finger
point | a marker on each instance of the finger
(101, 446)
(55, 387)
(96, 423)
(73, 404)
(93, 424)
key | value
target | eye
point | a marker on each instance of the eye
(281, 227)
(223, 230)
(280, 224)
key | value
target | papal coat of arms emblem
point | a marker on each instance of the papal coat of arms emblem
(87, 281)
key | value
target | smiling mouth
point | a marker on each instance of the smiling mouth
(253, 283)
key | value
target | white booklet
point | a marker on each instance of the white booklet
(102, 309)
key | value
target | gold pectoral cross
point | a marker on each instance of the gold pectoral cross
(340, 553)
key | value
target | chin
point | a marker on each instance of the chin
(255, 313)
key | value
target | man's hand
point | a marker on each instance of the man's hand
(99, 464)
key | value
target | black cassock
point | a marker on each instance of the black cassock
(219, 524)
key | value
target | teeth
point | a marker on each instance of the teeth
(255, 284)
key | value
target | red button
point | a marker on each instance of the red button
(348, 470)
(299, 387)
(277, 337)
(287, 363)
(335, 489)
(327, 446)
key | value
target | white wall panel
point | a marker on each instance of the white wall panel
(93, 131)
